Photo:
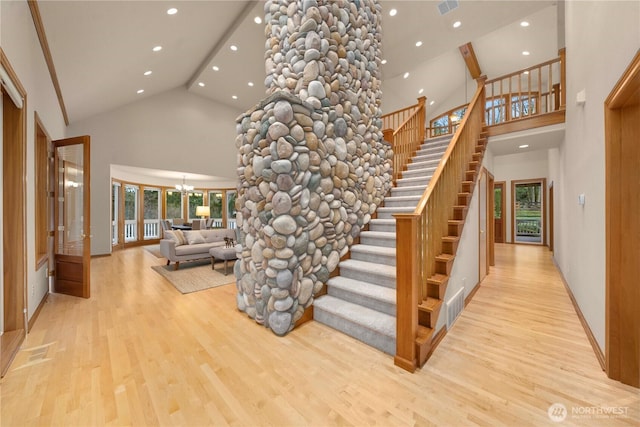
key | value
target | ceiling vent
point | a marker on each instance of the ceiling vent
(447, 6)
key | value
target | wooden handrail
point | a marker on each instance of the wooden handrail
(407, 137)
(423, 229)
(395, 119)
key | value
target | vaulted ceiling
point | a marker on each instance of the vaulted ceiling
(101, 49)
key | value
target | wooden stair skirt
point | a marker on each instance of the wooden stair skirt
(429, 309)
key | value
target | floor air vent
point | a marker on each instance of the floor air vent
(455, 305)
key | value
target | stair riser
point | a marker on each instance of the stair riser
(404, 182)
(418, 173)
(384, 214)
(375, 258)
(359, 332)
(443, 267)
(390, 202)
(368, 276)
(424, 164)
(399, 192)
(436, 291)
(387, 228)
(449, 247)
(428, 319)
(377, 241)
(430, 151)
(363, 300)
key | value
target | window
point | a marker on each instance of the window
(215, 205)
(446, 123)
(195, 199)
(151, 213)
(173, 204)
(130, 213)
(231, 208)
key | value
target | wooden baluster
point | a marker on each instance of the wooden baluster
(563, 76)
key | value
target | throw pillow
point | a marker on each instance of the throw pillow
(194, 237)
(180, 239)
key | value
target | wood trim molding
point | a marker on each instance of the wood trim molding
(469, 297)
(36, 313)
(44, 44)
(592, 339)
(531, 122)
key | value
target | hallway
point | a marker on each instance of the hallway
(140, 353)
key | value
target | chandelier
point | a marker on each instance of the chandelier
(184, 188)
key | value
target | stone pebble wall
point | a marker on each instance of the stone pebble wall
(312, 165)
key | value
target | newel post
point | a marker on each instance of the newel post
(406, 290)
(422, 104)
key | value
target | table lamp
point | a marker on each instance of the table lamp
(202, 211)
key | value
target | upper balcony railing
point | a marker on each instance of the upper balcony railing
(528, 98)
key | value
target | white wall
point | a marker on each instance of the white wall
(22, 48)
(601, 38)
(527, 165)
(175, 130)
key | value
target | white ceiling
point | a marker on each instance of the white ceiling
(102, 48)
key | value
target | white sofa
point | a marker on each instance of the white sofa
(191, 245)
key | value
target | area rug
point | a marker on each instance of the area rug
(194, 276)
(154, 249)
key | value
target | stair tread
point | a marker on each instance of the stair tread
(423, 335)
(438, 279)
(445, 257)
(402, 198)
(369, 267)
(451, 238)
(383, 221)
(430, 304)
(367, 317)
(376, 250)
(396, 209)
(456, 221)
(379, 234)
(371, 290)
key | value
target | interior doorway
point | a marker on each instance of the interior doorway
(622, 154)
(528, 206)
(499, 200)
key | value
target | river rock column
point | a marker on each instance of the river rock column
(312, 166)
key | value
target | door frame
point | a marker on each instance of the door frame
(14, 265)
(543, 209)
(551, 222)
(483, 191)
(491, 222)
(622, 324)
(503, 211)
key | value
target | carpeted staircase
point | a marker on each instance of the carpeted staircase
(361, 300)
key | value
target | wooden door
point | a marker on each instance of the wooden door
(622, 153)
(72, 251)
(498, 209)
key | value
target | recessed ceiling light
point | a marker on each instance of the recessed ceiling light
(457, 24)
(526, 72)
(201, 84)
(234, 96)
(524, 24)
(140, 90)
(523, 146)
(420, 91)
(233, 47)
(157, 48)
(172, 11)
(384, 61)
(215, 68)
(148, 73)
(418, 43)
(393, 12)
(250, 84)
(257, 20)
(406, 75)
(432, 102)
(525, 53)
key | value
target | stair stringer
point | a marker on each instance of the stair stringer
(429, 310)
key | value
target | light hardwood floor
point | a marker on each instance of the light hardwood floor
(140, 353)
